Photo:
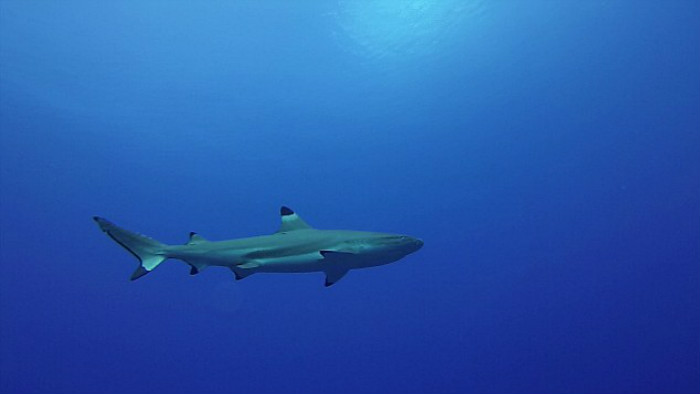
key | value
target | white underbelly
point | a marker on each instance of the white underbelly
(309, 262)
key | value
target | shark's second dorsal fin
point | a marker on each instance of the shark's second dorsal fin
(196, 239)
(291, 221)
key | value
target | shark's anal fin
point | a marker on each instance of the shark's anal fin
(196, 266)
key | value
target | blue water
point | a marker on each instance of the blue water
(546, 151)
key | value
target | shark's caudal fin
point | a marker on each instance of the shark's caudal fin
(149, 251)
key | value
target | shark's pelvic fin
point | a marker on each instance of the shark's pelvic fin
(149, 251)
(244, 270)
(249, 265)
(291, 221)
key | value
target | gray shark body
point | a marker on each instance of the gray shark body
(295, 247)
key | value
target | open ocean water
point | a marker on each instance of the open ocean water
(547, 152)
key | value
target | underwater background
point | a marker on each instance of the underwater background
(547, 152)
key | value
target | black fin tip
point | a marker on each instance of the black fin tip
(139, 273)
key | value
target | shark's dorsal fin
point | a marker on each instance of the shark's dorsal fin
(291, 221)
(196, 239)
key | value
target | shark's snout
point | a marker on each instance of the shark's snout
(415, 244)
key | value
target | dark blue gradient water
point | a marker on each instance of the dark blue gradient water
(546, 152)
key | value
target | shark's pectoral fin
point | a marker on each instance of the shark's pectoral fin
(334, 265)
(334, 275)
(140, 271)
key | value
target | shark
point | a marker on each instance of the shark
(296, 247)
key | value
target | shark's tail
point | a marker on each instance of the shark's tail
(149, 251)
